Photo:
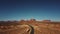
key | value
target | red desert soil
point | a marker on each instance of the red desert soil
(29, 27)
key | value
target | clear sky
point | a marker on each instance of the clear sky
(27, 9)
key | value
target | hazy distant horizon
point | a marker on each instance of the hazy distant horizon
(30, 19)
(26, 9)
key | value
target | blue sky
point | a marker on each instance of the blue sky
(27, 9)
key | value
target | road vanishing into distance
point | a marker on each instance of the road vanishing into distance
(23, 29)
(29, 29)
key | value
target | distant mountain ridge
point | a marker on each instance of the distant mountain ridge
(33, 27)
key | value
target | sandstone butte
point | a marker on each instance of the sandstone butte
(29, 27)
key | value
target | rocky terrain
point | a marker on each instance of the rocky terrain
(29, 27)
